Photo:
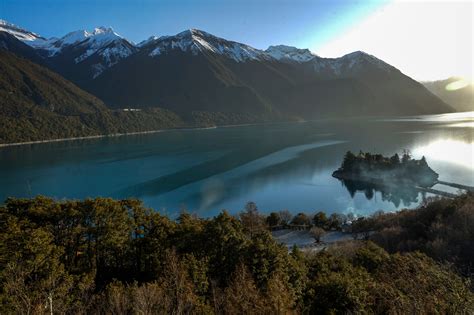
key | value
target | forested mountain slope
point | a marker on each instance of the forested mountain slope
(38, 104)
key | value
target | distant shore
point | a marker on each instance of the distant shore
(2, 145)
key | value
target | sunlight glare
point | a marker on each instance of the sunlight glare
(453, 151)
(427, 40)
(456, 85)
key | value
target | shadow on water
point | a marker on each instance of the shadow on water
(285, 166)
(274, 153)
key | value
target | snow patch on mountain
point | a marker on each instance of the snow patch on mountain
(30, 38)
(104, 42)
(196, 41)
(110, 56)
(73, 37)
(289, 53)
(147, 41)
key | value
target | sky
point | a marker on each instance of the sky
(427, 40)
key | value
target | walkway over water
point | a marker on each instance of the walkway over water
(436, 192)
(465, 187)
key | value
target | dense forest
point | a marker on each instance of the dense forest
(105, 256)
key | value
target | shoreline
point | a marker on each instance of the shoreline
(4, 145)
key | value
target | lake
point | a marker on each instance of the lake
(278, 166)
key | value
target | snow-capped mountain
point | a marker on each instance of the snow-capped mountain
(289, 53)
(196, 41)
(99, 38)
(147, 41)
(102, 46)
(103, 43)
(86, 54)
(32, 39)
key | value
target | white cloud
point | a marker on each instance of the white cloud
(426, 40)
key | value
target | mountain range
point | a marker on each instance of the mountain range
(201, 79)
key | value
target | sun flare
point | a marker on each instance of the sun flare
(454, 151)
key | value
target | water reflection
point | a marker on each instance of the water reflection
(399, 196)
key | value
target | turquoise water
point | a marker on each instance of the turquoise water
(278, 166)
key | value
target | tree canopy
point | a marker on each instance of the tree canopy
(102, 256)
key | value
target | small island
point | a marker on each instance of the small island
(381, 170)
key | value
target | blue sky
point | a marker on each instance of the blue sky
(260, 23)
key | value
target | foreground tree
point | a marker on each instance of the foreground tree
(317, 233)
(320, 220)
(252, 220)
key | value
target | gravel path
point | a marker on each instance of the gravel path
(303, 239)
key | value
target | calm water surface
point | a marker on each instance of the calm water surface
(278, 166)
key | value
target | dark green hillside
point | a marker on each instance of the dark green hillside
(25, 84)
(38, 104)
(10, 43)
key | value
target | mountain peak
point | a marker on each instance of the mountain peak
(147, 41)
(357, 53)
(99, 33)
(191, 31)
(198, 41)
(355, 58)
(26, 36)
(5, 23)
(284, 52)
(74, 37)
(103, 30)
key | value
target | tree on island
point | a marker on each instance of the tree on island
(406, 156)
(349, 160)
(395, 159)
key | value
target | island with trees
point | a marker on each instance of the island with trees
(387, 171)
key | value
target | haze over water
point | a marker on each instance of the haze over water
(278, 166)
